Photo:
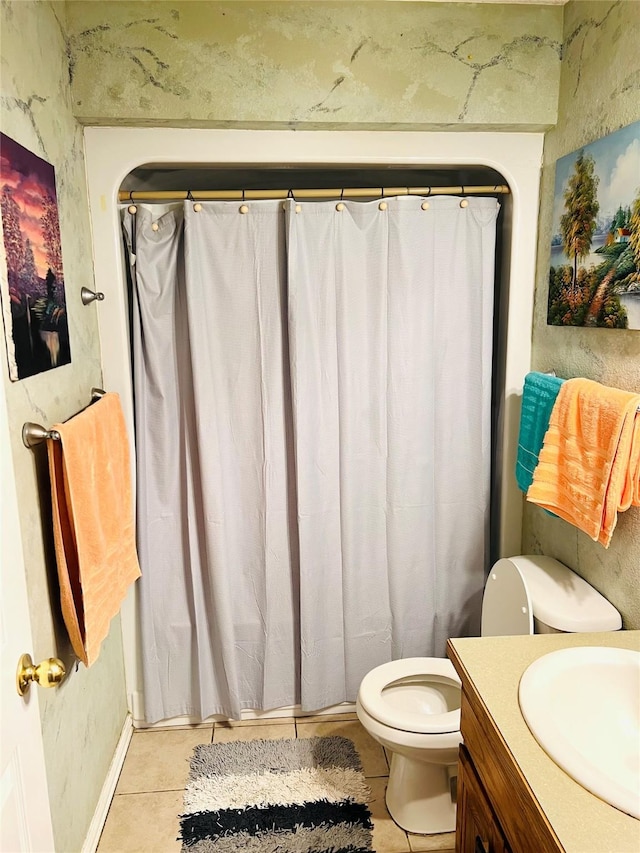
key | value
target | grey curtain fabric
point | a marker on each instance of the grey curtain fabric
(313, 397)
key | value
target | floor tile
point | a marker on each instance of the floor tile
(142, 823)
(226, 734)
(442, 842)
(387, 835)
(371, 753)
(159, 761)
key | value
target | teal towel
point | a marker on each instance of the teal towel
(538, 397)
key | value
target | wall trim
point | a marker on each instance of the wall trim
(108, 789)
(292, 712)
(112, 152)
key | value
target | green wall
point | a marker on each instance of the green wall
(82, 719)
(318, 64)
(599, 93)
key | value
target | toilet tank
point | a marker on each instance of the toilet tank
(536, 594)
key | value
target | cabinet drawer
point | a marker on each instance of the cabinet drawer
(519, 816)
(477, 828)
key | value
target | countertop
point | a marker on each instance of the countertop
(582, 822)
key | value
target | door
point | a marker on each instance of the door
(25, 818)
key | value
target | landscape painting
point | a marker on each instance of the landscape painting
(594, 275)
(33, 294)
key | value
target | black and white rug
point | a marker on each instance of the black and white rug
(277, 796)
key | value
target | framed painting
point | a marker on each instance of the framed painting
(33, 292)
(594, 273)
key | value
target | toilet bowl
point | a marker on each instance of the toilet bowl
(412, 706)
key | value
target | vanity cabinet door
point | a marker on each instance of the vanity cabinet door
(477, 829)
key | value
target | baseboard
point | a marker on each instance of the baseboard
(106, 795)
(288, 711)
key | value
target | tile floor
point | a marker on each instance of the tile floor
(143, 817)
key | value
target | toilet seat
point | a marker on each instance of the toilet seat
(373, 701)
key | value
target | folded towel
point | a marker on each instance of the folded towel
(589, 465)
(92, 522)
(538, 397)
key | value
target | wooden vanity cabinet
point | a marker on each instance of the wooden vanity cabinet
(496, 809)
(477, 828)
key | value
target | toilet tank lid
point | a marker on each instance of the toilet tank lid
(562, 599)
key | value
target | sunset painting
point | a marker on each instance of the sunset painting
(33, 295)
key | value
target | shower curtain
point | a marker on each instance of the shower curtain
(312, 398)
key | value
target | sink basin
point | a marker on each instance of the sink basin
(583, 707)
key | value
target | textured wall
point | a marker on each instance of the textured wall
(315, 64)
(82, 719)
(599, 93)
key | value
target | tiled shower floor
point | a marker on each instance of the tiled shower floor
(148, 798)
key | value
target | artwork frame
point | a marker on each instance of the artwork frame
(594, 268)
(32, 285)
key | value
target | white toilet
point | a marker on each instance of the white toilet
(412, 706)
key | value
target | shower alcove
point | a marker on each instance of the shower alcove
(163, 159)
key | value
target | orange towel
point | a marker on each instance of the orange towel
(589, 465)
(92, 522)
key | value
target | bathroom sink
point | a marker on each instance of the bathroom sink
(583, 707)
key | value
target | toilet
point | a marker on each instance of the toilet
(412, 706)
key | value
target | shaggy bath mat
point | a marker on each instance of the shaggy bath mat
(276, 796)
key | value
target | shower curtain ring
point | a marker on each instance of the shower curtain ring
(132, 208)
(197, 207)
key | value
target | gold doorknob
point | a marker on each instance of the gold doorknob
(48, 673)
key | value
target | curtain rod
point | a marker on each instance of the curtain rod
(354, 192)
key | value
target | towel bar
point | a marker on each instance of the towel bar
(34, 434)
(553, 373)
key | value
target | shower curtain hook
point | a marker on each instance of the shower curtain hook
(197, 207)
(429, 193)
(290, 195)
(132, 208)
(342, 194)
